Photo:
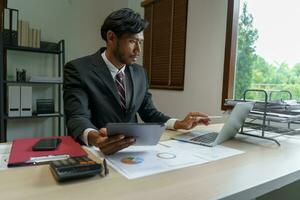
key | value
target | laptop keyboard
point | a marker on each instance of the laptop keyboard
(206, 138)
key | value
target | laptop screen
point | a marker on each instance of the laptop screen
(235, 121)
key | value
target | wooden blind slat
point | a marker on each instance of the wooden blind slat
(161, 42)
(147, 42)
(165, 41)
(179, 40)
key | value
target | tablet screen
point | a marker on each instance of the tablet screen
(144, 133)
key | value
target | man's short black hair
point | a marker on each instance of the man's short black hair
(123, 21)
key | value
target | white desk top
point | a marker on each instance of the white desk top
(262, 168)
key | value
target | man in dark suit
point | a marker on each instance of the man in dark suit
(109, 87)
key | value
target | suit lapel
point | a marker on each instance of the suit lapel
(103, 72)
(134, 85)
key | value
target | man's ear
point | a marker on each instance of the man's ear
(110, 36)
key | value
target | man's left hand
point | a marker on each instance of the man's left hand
(192, 120)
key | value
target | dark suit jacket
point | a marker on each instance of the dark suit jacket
(91, 99)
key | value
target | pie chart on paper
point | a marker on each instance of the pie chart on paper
(132, 160)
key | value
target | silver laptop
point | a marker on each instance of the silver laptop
(229, 130)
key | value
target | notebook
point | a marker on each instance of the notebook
(229, 130)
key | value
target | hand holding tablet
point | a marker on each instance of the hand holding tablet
(144, 133)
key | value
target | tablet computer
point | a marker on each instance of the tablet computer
(144, 133)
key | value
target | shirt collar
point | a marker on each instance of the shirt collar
(113, 70)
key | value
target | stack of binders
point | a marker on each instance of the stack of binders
(19, 101)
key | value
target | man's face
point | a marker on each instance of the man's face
(127, 48)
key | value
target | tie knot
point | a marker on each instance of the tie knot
(120, 75)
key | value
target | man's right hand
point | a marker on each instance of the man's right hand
(108, 145)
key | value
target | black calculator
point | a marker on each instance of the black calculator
(73, 168)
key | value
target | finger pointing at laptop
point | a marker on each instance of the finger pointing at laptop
(191, 120)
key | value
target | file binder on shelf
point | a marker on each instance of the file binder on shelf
(14, 100)
(26, 101)
(19, 101)
(21, 152)
(10, 32)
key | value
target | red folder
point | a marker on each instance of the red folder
(21, 151)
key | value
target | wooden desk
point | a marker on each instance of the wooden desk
(262, 168)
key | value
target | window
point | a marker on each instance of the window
(164, 45)
(262, 49)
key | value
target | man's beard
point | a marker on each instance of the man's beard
(119, 55)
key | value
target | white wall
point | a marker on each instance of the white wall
(205, 45)
(78, 22)
(206, 28)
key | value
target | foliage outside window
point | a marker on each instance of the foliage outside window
(246, 57)
(246, 66)
(253, 69)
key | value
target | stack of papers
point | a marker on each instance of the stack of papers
(139, 161)
(4, 154)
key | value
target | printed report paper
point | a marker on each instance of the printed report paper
(4, 155)
(139, 161)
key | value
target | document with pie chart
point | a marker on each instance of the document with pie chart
(139, 161)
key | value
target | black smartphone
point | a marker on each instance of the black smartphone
(46, 144)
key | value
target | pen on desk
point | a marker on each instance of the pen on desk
(106, 171)
(163, 144)
(48, 158)
(210, 117)
(215, 117)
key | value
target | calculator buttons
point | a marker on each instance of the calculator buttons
(72, 168)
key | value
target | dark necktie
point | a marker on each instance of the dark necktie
(121, 89)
